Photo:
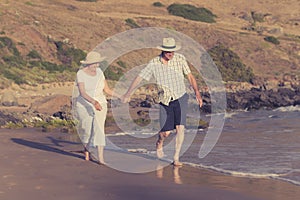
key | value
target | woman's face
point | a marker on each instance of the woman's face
(93, 67)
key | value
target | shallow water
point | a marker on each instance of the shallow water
(256, 144)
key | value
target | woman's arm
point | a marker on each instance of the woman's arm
(108, 91)
(133, 85)
(87, 97)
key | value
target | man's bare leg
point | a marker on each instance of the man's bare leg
(159, 143)
(178, 144)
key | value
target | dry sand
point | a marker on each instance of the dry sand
(39, 165)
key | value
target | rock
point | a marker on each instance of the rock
(51, 104)
(9, 99)
(4, 118)
(145, 104)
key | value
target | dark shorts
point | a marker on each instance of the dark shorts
(174, 114)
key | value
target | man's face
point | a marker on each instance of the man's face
(168, 54)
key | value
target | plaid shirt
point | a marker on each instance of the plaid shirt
(169, 78)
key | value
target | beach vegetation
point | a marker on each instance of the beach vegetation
(122, 64)
(88, 0)
(32, 69)
(272, 39)
(113, 74)
(29, 3)
(191, 12)
(258, 17)
(50, 124)
(142, 121)
(158, 4)
(34, 55)
(230, 65)
(130, 22)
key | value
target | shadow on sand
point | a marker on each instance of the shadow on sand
(51, 147)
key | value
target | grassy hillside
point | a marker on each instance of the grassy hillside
(242, 26)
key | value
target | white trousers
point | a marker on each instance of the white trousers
(91, 125)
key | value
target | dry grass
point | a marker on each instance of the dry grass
(86, 24)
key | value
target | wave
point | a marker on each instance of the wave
(247, 174)
(288, 108)
(277, 176)
(288, 180)
(144, 133)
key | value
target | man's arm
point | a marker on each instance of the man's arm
(194, 85)
(133, 85)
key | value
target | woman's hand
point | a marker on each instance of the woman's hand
(97, 106)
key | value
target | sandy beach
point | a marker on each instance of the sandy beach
(47, 165)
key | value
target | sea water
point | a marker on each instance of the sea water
(261, 143)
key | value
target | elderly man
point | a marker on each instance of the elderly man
(168, 70)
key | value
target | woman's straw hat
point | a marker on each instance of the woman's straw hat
(169, 44)
(92, 57)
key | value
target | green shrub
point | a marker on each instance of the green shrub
(132, 23)
(158, 4)
(257, 17)
(191, 12)
(14, 61)
(52, 67)
(29, 3)
(113, 74)
(230, 65)
(142, 121)
(34, 55)
(6, 42)
(67, 54)
(17, 78)
(88, 0)
(122, 64)
(272, 39)
(34, 70)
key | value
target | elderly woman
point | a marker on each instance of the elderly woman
(91, 104)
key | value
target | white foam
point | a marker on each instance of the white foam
(236, 173)
(131, 134)
(288, 108)
(288, 180)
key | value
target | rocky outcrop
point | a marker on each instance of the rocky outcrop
(252, 99)
(51, 104)
(8, 99)
(263, 99)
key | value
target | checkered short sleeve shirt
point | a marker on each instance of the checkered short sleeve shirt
(169, 78)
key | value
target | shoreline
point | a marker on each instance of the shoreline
(47, 165)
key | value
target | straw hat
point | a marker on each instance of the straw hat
(169, 44)
(92, 57)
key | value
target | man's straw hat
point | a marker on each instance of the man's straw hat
(169, 44)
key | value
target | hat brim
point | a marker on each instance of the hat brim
(85, 62)
(169, 49)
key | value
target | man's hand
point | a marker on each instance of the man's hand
(125, 98)
(199, 99)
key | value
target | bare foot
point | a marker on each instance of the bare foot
(102, 163)
(87, 155)
(177, 163)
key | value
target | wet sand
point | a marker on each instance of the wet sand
(39, 165)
